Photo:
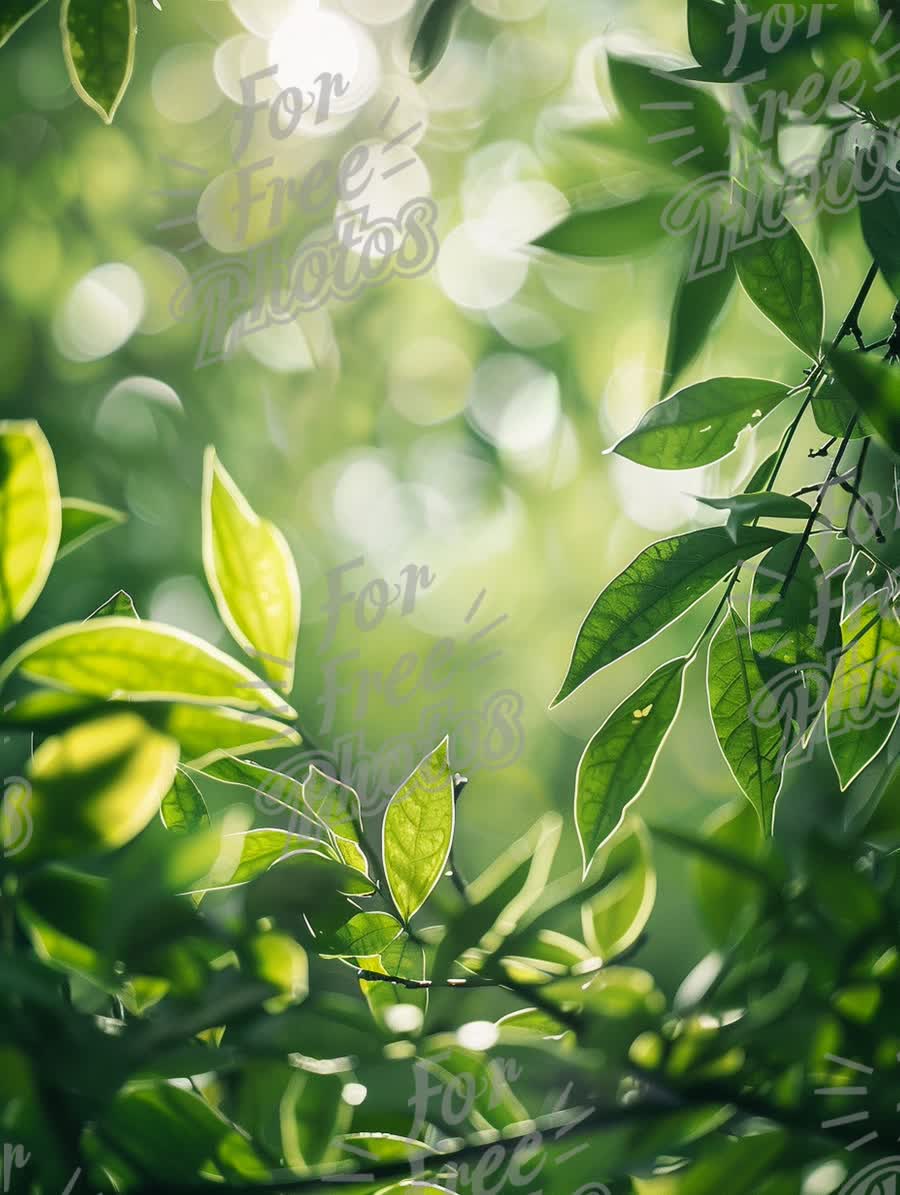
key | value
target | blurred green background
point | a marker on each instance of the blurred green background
(457, 421)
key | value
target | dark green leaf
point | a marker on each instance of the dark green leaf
(616, 763)
(433, 35)
(833, 408)
(183, 808)
(699, 302)
(660, 584)
(880, 220)
(618, 230)
(744, 508)
(14, 14)
(98, 44)
(781, 278)
(875, 387)
(864, 701)
(701, 423)
(418, 832)
(708, 35)
(82, 520)
(754, 752)
(119, 604)
(304, 882)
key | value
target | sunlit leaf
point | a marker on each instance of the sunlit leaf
(708, 33)
(251, 573)
(258, 850)
(864, 701)
(754, 751)
(336, 806)
(615, 918)
(617, 230)
(616, 763)
(311, 1112)
(660, 584)
(701, 423)
(14, 14)
(780, 276)
(404, 958)
(141, 661)
(96, 786)
(82, 521)
(120, 603)
(433, 35)
(30, 518)
(362, 935)
(744, 508)
(98, 39)
(183, 808)
(278, 960)
(875, 388)
(208, 734)
(418, 831)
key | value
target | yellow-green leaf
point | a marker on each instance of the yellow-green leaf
(30, 519)
(418, 832)
(208, 734)
(251, 573)
(336, 805)
(614, 920)
(98, 39)
(183, 808)
(139, 661)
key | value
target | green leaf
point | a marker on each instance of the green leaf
(251, 573)
(96, 786)
(208, 734)
(306, 882)
(699, 302)
(795, 629)
(614, 920)
(98, 39)
(14, 14)
(30, 517)
(278, 960)
(362, 935)
(311, 1112)
(660, 584)
(617, 762)
(738, 1166)
(833, 409)
(745, 508)
(619, 230)
(880, 221)
(82, 520)
(282, 791)
(406, 959)
(249, 853)
(701, 423)
(120, 603)
(724, 896)
(875, 388)
(433, 36)
(183, 808)
(336, 806)
(754, 752)
(781, 278)
(138, 661)
(762, 475)
(864, 701)
(418, 831)
(708, 35)
(679, 115)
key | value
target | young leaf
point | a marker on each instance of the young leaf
(96, 786)
(617, 762)
(138, 661)
(251, 573)
(744, 508)
(337, 807)
(875, 388)
(614, 920)
(617, 230)
(864, 702)
(701, 423)
(183, 808)
(433, 36)
(660, 584)
(781, 278)
(283, 791)
(418, 832)
(82, 520)
(208, 734)
(98, 46)
(362, 935)
(256, 852)
(14, 14)
(699, 302)
(30, 517)
(120, 603)
(754, 752)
